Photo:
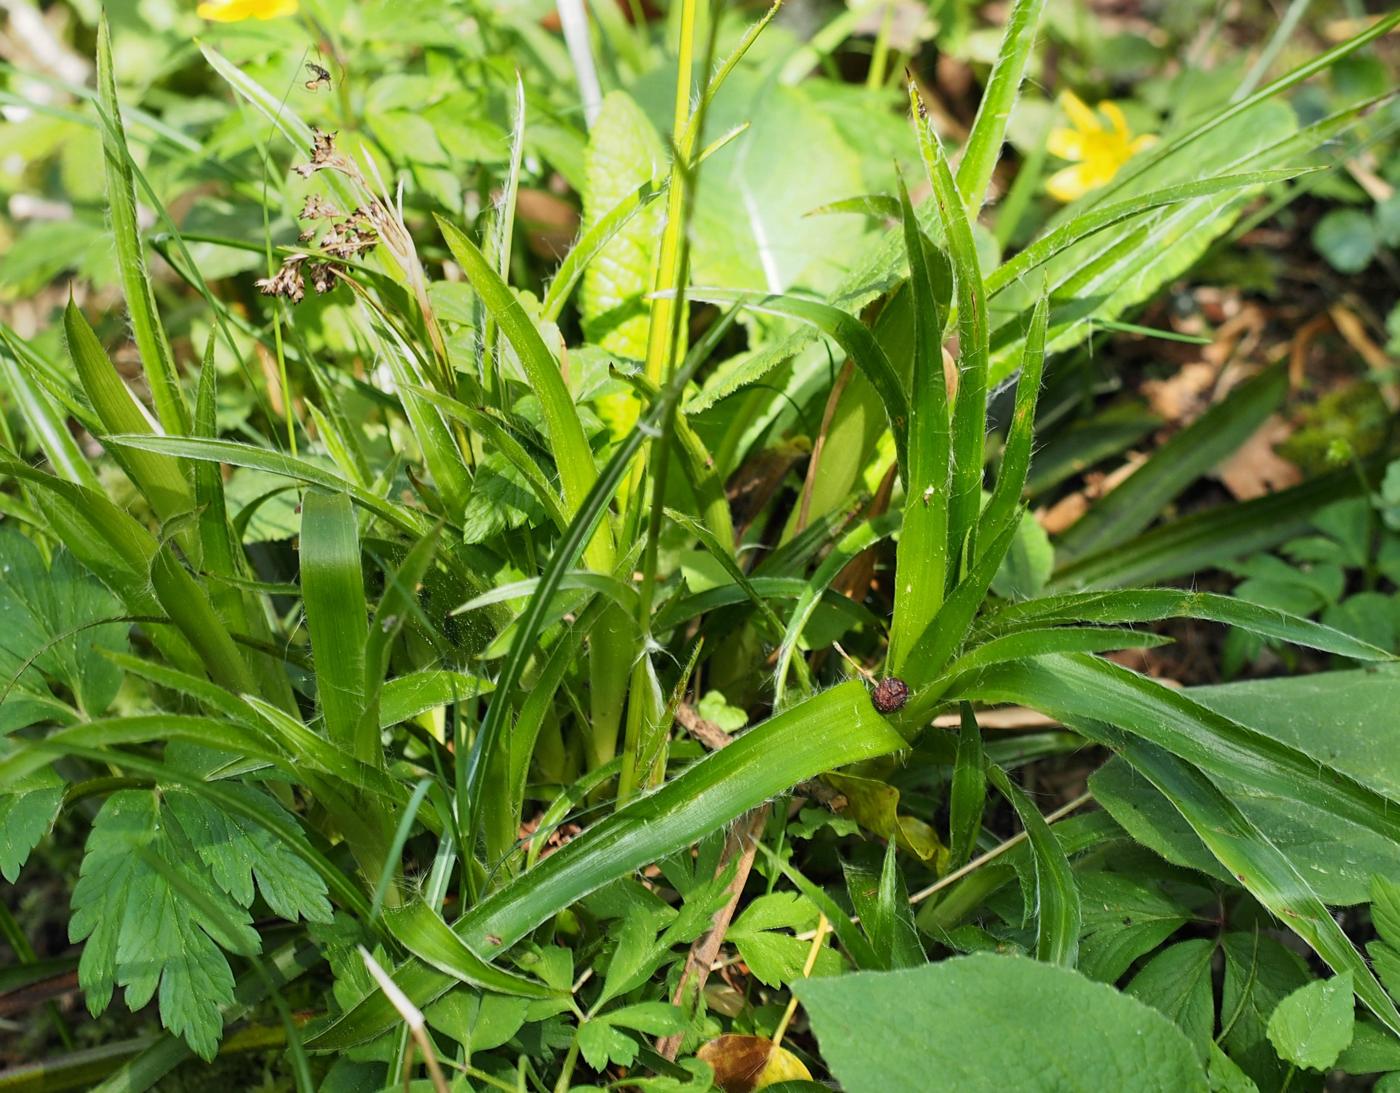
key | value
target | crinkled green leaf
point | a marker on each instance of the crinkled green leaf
(236, 851)
(47, 633)
(141, 934)
(28, 809)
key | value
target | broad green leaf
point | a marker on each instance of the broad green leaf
(749, 225)
(478, 1022)
(1314, 1024)
(1225, 1074)
(28, 809)
(1125, 918)
(1257, 863)
(624, 153)
(1259, 973)
(874, 805)
(1177, 981)
(250, 993)
(600, 1042)
(989, 1023)
(1331, 717)
(1372, 1049)
(237, 850)
(774, 957)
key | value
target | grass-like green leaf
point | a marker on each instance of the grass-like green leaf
(1135, 503)
(572, 455)
(1003, 508)
(1154, 604)
(1208, 538)
(858, 539)
(1057, 910)
(970, 406)
(853, 336)
(984, 141)
(832, 729)
(1249, 856)
(156, 358)
(421, 930)
(1072, 688)
(921, 561)
(298, 470)
(967, 793)
(1097, 219)
(333, 590)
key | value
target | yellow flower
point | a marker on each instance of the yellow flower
(1099, 150)
(235, 11)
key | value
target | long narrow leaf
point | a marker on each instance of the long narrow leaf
(1057, 909)
(835, 728)
(850, 334)
(1256, 862)
(983, 147)
(1154, 604)
(156, 359)
(921, 561)
(333, 591)
(970, 407)
(1135, 503)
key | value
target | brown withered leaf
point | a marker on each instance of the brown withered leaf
(743, 1064)
(1255, 468)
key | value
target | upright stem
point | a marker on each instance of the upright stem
(661, 340)
(665, 332)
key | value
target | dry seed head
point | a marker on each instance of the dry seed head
(890, 694)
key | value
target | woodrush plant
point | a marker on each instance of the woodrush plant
(387, 751)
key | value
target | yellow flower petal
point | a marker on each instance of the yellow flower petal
(1079, 114)
(1065, 144)
(1147, 140)
(782, 1066)
(1069, 184)
(1115, 115)
(235, 11)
